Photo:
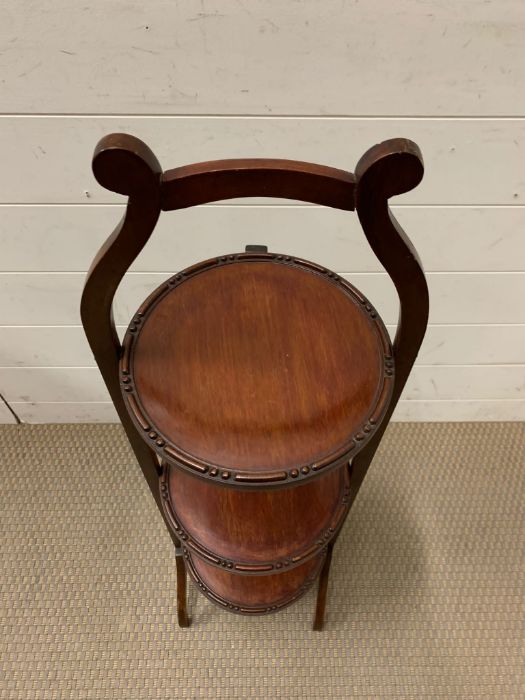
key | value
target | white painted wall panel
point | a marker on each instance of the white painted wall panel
(66, 238)
(460, 410)
(66, 346)
(5, 414)
(464, 410)
(319, 81)
(459, 382)
(65, 412)
(84, 384)
(56, 384)
(54, 299)
(475, 344)
(411, 57)
(469, 161)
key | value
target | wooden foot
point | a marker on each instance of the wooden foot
(322, 591)
(182, 606)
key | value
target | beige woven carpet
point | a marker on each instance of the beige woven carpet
(424, 600)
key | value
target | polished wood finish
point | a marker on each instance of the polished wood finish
(257, 369)
(320, 607)
(182, 606)
(254, 595)
(257, 177)
(258, 530)
(125, 165)
(386, 170)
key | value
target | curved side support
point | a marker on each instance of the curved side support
(215, 180)
(123, 164)
(388, 169)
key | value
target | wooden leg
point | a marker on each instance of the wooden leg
(182, 605)
(323, 589)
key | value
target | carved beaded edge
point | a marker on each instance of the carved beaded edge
(252, 610)
(237, 477)
(189, 542)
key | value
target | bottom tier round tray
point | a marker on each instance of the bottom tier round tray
(254, 552)
(253, 595)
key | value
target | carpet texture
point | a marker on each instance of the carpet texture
(425, 596)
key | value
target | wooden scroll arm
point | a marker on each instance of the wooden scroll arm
(388, 169)
(123, 164)
(257, 177)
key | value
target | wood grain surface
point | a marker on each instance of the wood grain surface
(257, 366)
(269, 529)
(254, 594)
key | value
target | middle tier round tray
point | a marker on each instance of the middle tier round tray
(256, 378)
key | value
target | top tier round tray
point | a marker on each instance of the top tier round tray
(255, 386)
(256, 370)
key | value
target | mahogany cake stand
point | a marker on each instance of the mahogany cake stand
(255, 387)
